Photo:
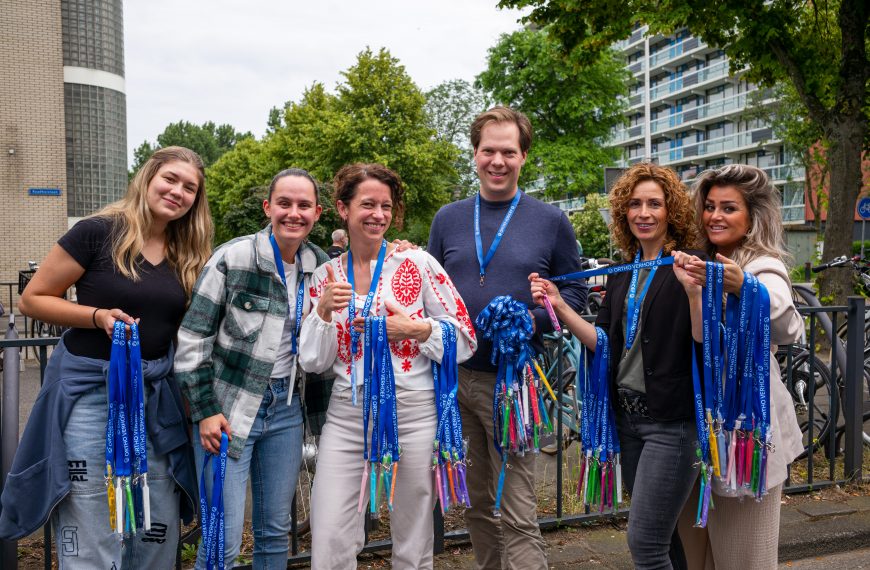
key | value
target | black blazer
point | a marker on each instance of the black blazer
(666, 341)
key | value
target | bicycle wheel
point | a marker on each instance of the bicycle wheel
(569, 405)
(811, 389)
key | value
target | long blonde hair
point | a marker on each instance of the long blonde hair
(766, 234)
(188, 239)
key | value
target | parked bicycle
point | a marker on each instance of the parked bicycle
(861, 269)
(36, 327)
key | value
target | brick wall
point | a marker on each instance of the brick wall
(32, 145)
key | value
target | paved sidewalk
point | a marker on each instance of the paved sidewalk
(811, 526)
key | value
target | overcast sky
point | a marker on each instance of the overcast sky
(231, 61)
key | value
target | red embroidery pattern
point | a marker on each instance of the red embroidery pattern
(461, 309)
(407, 283)
(343, 333)
(407, 350)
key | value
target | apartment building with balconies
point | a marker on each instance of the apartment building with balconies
(687, 109)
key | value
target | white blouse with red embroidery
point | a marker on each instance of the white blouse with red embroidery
(418, 284)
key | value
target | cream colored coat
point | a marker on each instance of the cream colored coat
(785, 328)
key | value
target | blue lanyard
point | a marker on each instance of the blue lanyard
(212, 516)
(126, 436)
(478, 242)
(351, 308)
(300, 294)
(137, 411)
(612, 269)
(635, 302)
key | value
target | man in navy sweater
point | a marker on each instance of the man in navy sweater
(517, 235)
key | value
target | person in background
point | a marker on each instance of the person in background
(339, 243)
(517, 235)
(739, 217)
(236, 361)
(136, 260)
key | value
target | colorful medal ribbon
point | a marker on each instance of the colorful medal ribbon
(379, 405)
(211, 516)
(478, 241)
(126, 437)
(448, 453)
(733, 422)
(367, 306)
(519, 415)
(600, 481)
(300, 293)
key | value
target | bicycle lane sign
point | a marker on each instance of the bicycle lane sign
(864, 208)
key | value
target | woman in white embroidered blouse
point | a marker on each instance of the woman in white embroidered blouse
(415, 294)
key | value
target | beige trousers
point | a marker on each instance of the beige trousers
(514, 540)
(337, 528)
(740, 535)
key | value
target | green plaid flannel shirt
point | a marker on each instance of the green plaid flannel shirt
(230, 335)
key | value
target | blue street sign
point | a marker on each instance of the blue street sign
(864, 208)
(43, 191)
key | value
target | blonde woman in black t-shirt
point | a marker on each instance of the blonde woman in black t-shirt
(136, 260)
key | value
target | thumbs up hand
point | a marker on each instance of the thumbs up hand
(335, 297)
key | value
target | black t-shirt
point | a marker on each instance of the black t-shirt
(334, 251)
(157, 299)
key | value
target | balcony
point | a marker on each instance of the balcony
(694, 79)
(625, 134)
(570, 205)
(778, 174)
(636, 36)
(718, 146)
(673, 52)
(725, 106)
(793, 209)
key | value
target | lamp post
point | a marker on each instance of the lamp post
(605, 215)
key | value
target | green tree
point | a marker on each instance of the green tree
(590, 228)
(802, 139)
(376, 115)
(820, 48)
(208, 140)
(451, 107)
(572, 108)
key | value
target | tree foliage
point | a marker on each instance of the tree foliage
(572, 107)
(375, 115)
(592, 232)
(208, 140)
(820, 48)
(451, 107)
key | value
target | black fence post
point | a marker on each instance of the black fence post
(438, 525)
(853, 390)
(9, 430)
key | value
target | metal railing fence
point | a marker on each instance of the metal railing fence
(845, 406)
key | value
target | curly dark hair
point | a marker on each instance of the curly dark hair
(681, 233)
(348, 179)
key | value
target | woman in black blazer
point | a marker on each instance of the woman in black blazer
(651, 361)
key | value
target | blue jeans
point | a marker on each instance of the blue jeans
(83, 536)
(272, 456)
(658, 469)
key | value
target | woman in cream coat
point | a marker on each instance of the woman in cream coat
(738, 211)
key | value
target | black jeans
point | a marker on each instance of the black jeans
(658, 469)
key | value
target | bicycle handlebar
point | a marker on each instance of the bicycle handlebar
(836, 262)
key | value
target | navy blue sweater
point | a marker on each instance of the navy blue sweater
(539, 239)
